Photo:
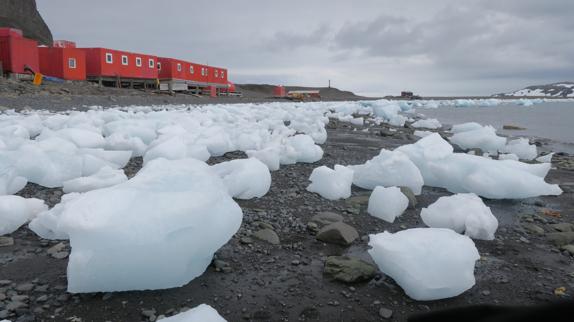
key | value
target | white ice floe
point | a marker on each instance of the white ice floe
(200, 313)
(157, 230)
(388, 169)
(484, 138)
(331, 184)
(244, 178)
(105, 177)
(15, 211)
(522, 148)
(463, 213)
(387, 203)
(427, 124)
(465, 127)
(460, 172)
(428, 263)
(545, 158)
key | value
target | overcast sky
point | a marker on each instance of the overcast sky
(375, 47)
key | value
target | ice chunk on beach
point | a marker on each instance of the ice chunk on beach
(244, 178)
(465, 127)
(10, 181)
(545, 158)
(16, 211)
(270, 156)
(175, 148)
(427, 124)
(157, 230)
(104, 178)
(463, 213)
(388, 169)
(522, 148)
(387, 203)
(428, 263)
(509, 156)
(304, 149)
(201, 313)
(484, 138)
(80, 137)
(422, 134)
(460, 172)
(331, 184)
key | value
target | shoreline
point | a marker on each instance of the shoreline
(248, 278)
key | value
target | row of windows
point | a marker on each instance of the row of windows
(204, 71)
(125, 60)
(151, 62)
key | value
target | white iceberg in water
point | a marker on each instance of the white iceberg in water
(158, 230)
(331, 184)
(201, 313)
(463, 213)
(460, 172)
(388, 169)
(428, 263)
(387, 203)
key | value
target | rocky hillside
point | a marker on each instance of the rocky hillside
(562, 89)
(24, 15)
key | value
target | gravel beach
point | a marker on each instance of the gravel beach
(275, 268)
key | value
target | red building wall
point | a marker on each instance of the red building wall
(56, 62)
(97, 65)
(16, 52)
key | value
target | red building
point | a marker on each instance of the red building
(63, 62)
(110, 63)
(17, 52)
(178, 74)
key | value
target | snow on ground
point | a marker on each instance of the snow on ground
(428, 263)
(200, 313)
(463, 213)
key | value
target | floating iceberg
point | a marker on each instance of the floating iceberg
(201, 313)
(158, 230)
(244, 178)
(387, 203)
(428, 263)
(331, 184)
(463, 213)
(15, 211)
(460, 172)
(388, 169)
